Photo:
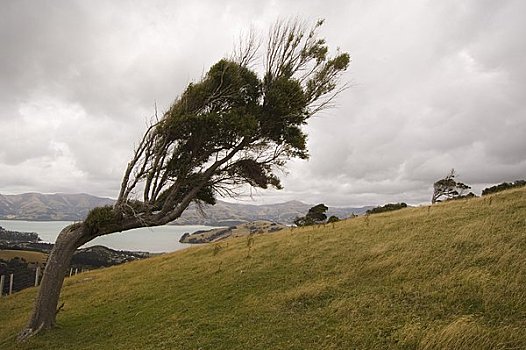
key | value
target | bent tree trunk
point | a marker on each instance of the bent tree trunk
(100, 221)
(45, 309)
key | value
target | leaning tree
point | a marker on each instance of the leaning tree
(231, 128)
(448, 188)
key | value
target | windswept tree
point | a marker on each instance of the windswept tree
(448, 188)
(315, 215)
(231, 128)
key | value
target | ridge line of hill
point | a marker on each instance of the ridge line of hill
(74, 207)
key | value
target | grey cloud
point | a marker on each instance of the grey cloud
(434, 85)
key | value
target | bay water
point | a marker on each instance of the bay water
(146, 239)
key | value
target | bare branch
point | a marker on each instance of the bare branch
(246, 51)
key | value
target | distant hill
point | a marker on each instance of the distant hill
(74, 207)
(228, 214)
(43, 207)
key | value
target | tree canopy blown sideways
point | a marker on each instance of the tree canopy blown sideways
(231, 128)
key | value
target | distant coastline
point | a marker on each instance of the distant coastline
(158, 239)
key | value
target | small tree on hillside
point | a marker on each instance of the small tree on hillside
(315, 215)
(333, 219)
(447, 188)
(231, 128)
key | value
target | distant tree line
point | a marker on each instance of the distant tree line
(15, 236)
(387, 207)
(99, 256)
(503, 186)
(28, 246)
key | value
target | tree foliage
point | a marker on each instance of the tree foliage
(448, 188)
(315, 215)
(333, 219)
(233, 127)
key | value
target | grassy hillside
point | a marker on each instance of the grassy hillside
(451, 276)
(29, 256)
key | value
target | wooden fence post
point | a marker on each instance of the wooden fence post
(2, 280)
(37, 276)
(11, 277)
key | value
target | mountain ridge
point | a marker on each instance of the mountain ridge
(34, 206)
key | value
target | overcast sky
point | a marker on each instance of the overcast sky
(435, 85)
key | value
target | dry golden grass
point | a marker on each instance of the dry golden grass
(451, 276)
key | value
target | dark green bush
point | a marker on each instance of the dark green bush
(503, 186)
(387, 207)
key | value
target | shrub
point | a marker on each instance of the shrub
(503, 186)
(387, 207)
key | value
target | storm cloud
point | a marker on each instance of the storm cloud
(434, 85)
